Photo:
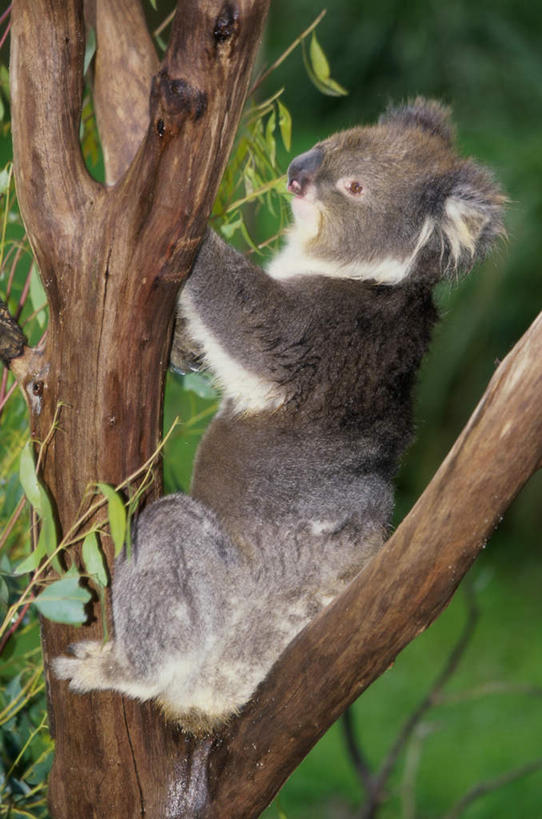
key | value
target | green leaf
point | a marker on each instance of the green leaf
(64, 601)
(162, 45)
(153, 4)
(333, 89)
(38, 297)
(31, 563)
(285, 125)
(38, 497)
(27, 476)
(116, 514)
(319, 60)
(200, 385)
(270, 138)
(90, 48)
(325, 84)
(5, 179)
(4, 596)
(47, 522)
(94, 560)
(4, 81)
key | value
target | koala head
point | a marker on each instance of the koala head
(391, 201)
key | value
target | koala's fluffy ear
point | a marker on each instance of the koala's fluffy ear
(429, 115)
(470, 219)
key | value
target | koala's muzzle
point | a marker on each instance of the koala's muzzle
(303, 169)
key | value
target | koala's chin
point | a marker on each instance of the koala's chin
(316, 359)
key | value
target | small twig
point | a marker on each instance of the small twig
(8, 395)
(355, 752)
(4, 383)
(24, 294)
(5, 13)
(412, 764)
(429, 700)
(267, 242)
(286, 53)
(482, 788)
(495, 687)
(17, 249)
(380, 779)
(4, 36)
(11, 522)
(16, 624)
(164, 24)
(33, 315)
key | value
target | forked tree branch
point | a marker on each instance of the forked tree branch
(398, 595)
(124, 64)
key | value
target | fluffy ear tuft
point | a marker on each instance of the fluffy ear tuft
(471, 220)
(429, 115)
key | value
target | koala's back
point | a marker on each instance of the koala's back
(320, 465)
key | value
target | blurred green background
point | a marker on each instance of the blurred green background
(485, 60)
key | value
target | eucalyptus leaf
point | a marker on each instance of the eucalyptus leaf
(4, 595)
(38, 297)
(31, 563)
(325, 84)
(319, 62)
(64, 601)
(199, 384)
(90, 48)
(4, 81)
(285, 125)
(270, 138)
(116, 514)
(27, 476)
(94, 560)
(5, 179)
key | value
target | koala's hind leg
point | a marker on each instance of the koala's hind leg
(93, 665)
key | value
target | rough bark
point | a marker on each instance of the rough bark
(111, 260)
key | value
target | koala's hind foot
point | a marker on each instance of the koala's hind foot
(93, 665)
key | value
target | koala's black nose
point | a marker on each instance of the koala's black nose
(303, 169)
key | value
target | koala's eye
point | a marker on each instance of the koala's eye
(351, 186)
(354, 188)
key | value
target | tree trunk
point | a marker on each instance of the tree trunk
(111, 260)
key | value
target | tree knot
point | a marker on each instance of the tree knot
(226, 24)
(173, 100)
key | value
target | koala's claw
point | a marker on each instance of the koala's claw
(84, 649)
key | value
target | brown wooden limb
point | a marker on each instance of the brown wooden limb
(125, 62)
(400, 593)
(167, 171)
(102, 253)
(46, 90)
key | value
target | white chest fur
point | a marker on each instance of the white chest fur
(248, 391)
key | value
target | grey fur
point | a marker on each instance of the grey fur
(292, 490)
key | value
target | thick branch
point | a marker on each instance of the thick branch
(212, 48)
(125, 63)
(46, 89)
(399, 594)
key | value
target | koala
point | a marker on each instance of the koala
(316, 359)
